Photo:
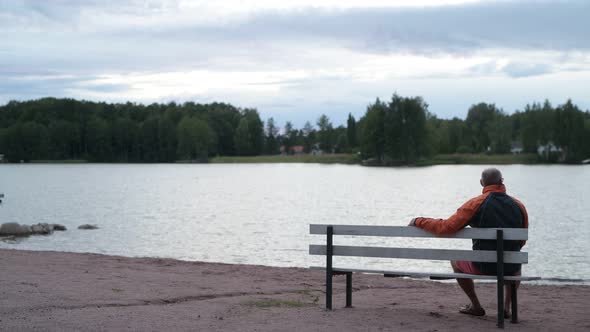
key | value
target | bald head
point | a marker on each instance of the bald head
(491, 176)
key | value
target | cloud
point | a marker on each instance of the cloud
(329, 58)
(525, 25)
(134, 35)
(485, 68)
(107, 88)
(34, 86)
(518, 69)
(514, 69)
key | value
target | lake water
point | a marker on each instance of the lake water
(260, 213)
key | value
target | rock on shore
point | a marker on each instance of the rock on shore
(16, 229)
(87, 226)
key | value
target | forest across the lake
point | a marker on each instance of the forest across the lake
(398, 131)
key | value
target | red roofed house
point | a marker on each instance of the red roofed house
(296, 149)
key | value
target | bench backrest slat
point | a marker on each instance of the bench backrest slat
(415, 253)
(405, 231)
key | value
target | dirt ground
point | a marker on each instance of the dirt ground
(55, 291)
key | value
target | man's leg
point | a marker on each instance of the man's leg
(468, 287)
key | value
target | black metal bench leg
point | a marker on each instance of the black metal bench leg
(501, 305)
(328, 290)
(329, 271)
(500, 276)
(514, 300)
(349, 289)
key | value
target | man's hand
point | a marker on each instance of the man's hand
(413, 222)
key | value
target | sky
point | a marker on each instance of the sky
(295, 60)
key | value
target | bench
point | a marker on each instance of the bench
(498, 256)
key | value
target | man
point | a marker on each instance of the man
(492, 209)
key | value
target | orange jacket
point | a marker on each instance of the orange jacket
(464, 214)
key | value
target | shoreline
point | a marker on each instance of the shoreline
(73, 291)
(343, 158)
(545, 281)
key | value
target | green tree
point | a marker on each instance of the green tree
(149, 138)
(586, 144)
(288, 138)
(33, 138)
(308, 133)
(406, 136)
(243, 139)
(569, 131)
(529, 134)
(64, 140)
(272, 132)
(124, 138)
(351, 131)
(325, 133)
(194, 139)
(224, 120)
(256, 132)
(167, 140)
(479, 119)
(341, 139)
(500, 134)
(373, 134)
(98, 138)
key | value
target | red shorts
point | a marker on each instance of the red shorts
(467, 267)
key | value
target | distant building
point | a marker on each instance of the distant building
(296, 149)
(516, 147)
(1, 158)
(315, 150)
(546, 150)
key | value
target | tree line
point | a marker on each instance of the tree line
(398, 131)
(402, 131)
(60, 129)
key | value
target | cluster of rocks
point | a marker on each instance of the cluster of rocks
(13, 229)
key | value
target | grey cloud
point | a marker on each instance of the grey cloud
(517, 69)
(512, 69)
(536, 25)
(51, 38)
(14, 88)
(36, 85)
(69, 10)
(267, 38)
(527, 25)
(13, 84)
(486, 68)
(7, 72)
(106, 87)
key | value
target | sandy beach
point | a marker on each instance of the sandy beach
(55, 291)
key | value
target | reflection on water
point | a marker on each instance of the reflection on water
(259, 213)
